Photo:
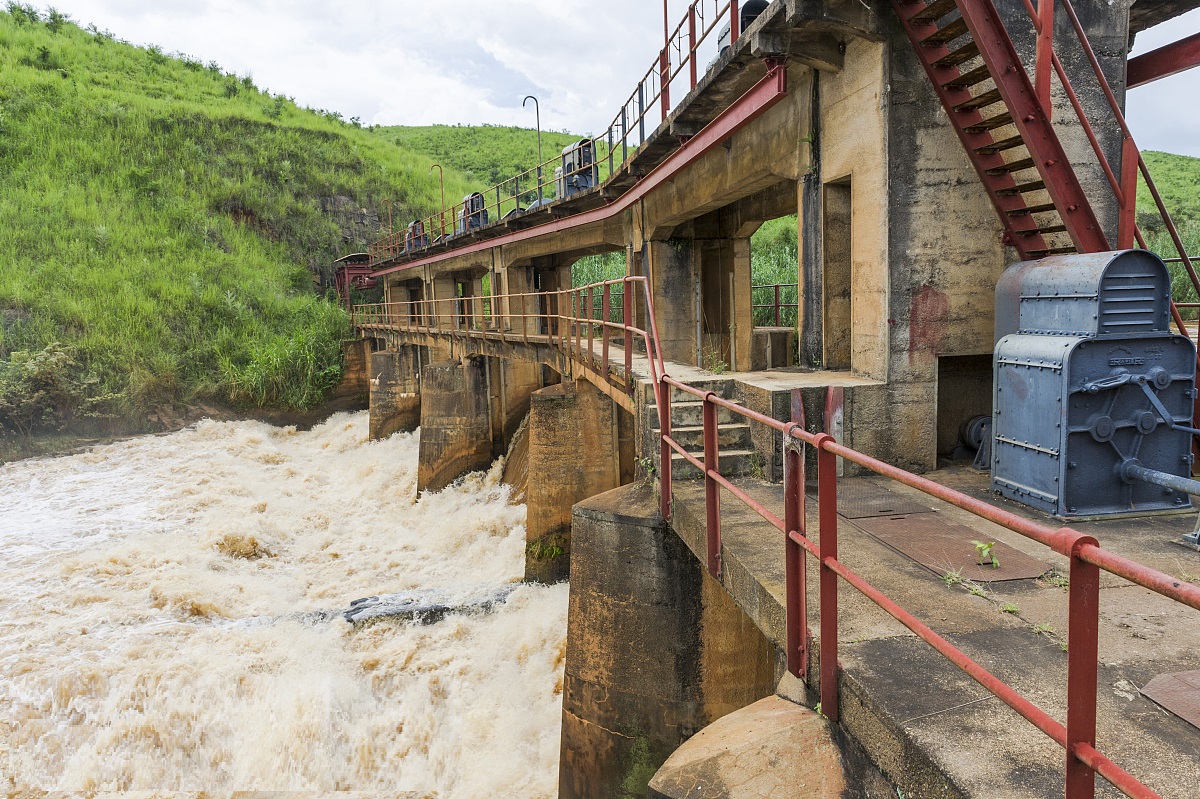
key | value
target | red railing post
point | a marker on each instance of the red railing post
(605, 299)
(1083, 645)
(692, 42)
(591, 312)
(778, 318)
(664, 77)
(827, 513)
(627, 321)
(712, 490)
(664, 449)
(1127, 221)
(735, 23)
(795, 556)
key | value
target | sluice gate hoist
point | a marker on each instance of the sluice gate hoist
(1092, 392)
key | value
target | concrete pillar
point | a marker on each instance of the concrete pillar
(518, 281)
(356, 378)
(656, 650)
(673, 281)
(574, 453)
(456, 434)
(514, 385)
(395, 391)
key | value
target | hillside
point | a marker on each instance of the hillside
(163, 221)
(484, 155)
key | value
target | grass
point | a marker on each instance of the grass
(165, 221)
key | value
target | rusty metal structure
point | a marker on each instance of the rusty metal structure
(983, 85)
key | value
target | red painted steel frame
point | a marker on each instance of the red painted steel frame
(764, 96)
(1077, 736)
(1164, 62)
(1030, 118)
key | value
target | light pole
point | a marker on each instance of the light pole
(442, 183)
(538, 115)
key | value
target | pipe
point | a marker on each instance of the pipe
(1132, 470)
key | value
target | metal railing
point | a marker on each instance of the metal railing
(1087, 559)
(640, 115)
(580, 323)
(1132, 163)
(576, 322)
(775, 304)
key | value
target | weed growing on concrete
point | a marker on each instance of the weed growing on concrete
(1010, 607)
(713, 361)
(984, 553)
(975, 588)
(952, 578)
(1056, 578)
(757, 466)
(1042, 629)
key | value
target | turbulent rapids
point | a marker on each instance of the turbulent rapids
(176, 615)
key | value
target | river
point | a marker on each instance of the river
(154, 636)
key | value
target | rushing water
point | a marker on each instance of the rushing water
(153, 636)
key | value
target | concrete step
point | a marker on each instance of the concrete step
(734, 463)
(691, 414)
(722, 387)
(729, 436)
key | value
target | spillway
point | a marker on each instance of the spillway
(170, 620)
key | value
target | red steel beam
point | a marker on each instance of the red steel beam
(767, 93)
(1163, 62)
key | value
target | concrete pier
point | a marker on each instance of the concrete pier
(656, 650)
(395, 391)
(573, 455)
(456, 435)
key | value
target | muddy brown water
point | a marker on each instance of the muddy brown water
(153, 637)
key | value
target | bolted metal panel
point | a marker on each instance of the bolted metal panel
(1092, 389)
(1105, 293)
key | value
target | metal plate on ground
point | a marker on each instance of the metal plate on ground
(1177, 693)
(859, 499)
(943, 546)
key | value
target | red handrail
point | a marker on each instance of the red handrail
(1087, 559)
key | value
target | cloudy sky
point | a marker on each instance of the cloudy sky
(471, 61)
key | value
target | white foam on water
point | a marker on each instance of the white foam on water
(123, 568)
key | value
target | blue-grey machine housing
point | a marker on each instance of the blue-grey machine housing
(1090, 387)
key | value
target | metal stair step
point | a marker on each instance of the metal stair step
(961, 55)
(990, 97)
(1033, 209)
(968, 79)
(991, 123)
(1023, 188)
(1000, 146)
(947, 34)
(933, 12)
(1012, 166)
(1043, 230)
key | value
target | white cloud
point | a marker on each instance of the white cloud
(1165, 115)
(471, 61)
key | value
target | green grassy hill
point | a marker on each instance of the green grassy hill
(1178, 180)
(484, 155)
(162, 223)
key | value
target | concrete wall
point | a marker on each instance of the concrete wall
(395, 391)
(656, 649)
(574, 453)
(456, 433)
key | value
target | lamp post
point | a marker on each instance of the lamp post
(538, 115)
(442, 183)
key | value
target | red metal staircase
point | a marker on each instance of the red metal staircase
(1004, 126)
(1003, 118)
